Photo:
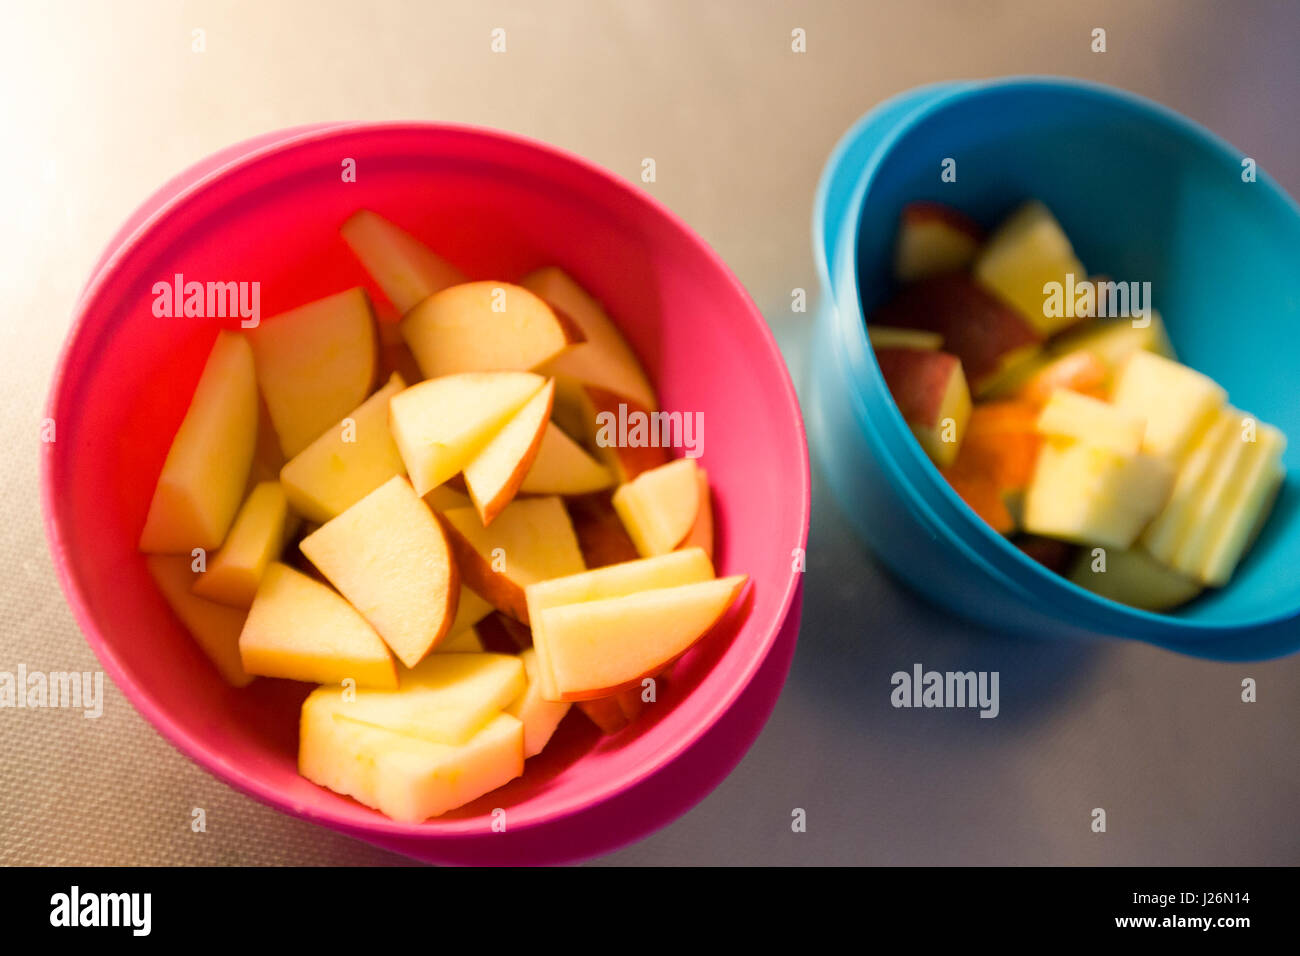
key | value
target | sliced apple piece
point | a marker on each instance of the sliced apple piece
(315, 364)
(931, 393)
(581, 409)
(605, 359)
(1079, 371)
(933, 239)
(1027, 251)
(440, 425)
(659, 507)
(347, 462)
(1177, 402)
(300, 629)
(701, 533)
(485, 327)
(214, 627)
(389, 556)
(539, 715)
(531, 540)
(405, 269)
(563, 467)
(470, 609)
(1133, 577)
(1164, 535)
(1113, 340)
(496, 473)
(889, 337)
(598, 648)
(444, 497)
(206, 469)
(403, 777)
(255, 540)
(1068, 414)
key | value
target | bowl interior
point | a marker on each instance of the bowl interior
(498, 207)
(1144, 196)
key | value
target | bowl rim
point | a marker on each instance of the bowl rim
(995, 553)
(174, 196)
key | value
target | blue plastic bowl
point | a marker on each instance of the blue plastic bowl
(1144, 194)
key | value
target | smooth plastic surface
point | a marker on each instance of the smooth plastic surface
(498, 206)
(1145, 195)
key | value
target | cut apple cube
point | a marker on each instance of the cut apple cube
(540, 716)
(405, 269)
(1035, 381)
(1177, 402)
(347, 462)
(1113, 340)
(1132, 576)
(1068, 414)
(659, 507)
(206, 469)
(934, 239)
(1164, 535)
(563, 467)
(930, 391)
(214, 627)
(299, 629)
(255, 540)
(495, 474)
(1024, 254)
(389, 556)
(440, 425)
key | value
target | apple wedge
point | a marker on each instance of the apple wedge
(466, 641)
(440, 425)
(701, 533)
(659, 507)
(255, 540)
(598, 648)
(1131, 576)
(315, 364)
(299, 629)
(214, 627)
(389, 556)
(485, 327)
(1068, 414)
(1025, 253)
(563, 467)
(540, 716)
(933, 239)
(405, 269)
(206, 469)
(496, 473)
(347, 462)
(932, 396)
(579, 410)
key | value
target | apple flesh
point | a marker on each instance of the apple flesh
(1131, 576)
(1068, 414)
(405, 269)
(701, 533)
(563, 467)
(934, 239)
(496, 473)
(1113, 340)
(206, 470)
(214, 627)
(579, 411)
(256, 539)
(1026, 252)
(540, 716)
(996, 462)
(931, 393)
(1079, 371)
(659, 507)
(1177, 402)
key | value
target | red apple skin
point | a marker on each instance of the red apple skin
(987, 335)
(1050, 553)
(918, 379)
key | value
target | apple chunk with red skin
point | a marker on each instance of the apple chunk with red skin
(930, 391)
(405, 269)
(497, 472)
(934, 239)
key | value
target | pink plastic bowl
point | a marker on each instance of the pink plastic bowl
(498, 206)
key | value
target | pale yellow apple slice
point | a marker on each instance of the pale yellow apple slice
(1163, 536)
(254, 541)
(1178, 403)
(483, 327)
(1223, 482)
(446, 699)
(406, 269)
(1026, 252)
(298, 628)
(598, 648)
(701, 533)
(389, 556)
(470, 609)
(214, 627)
(1068, 414)
(562, 467)
(495, 474)
(315, 364)
(688, 566)
(1243, 511)
(440, 425)
(532, 540)
(659, 507)
(403, 777)
(466, 641)
(583, 410)
(203, 478)
(1134, 577)
(347, 462)
(605, 358)
(444, 497)
(539, 715)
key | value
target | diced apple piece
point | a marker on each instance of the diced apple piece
(701, 533)
(1035, 381)
(580, 410)
(470, 609)
(888, 337)
(990, 337)
(440, 425)
(562, 467)
(934, 239)
(445, 496)
(254, 541)
(1177, 402)
(203, 478)
(485, 327)
(347, 462)
(604, 359)
(598, 648)
(659, 507)
(214, 627)
(389, 556)
(931, 393)
(601, 535)
(996, 461)
(531, 540)
(299, 629)
(1113, 340)
(1093, 495)
(403, 777)
(1068, 414)
(539, 715)
(1164, 535)
(405, 269)
(1029, 250)
(463, 642)
(496, 473)
(447, 699)
(315, 364)
(1131, 576)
